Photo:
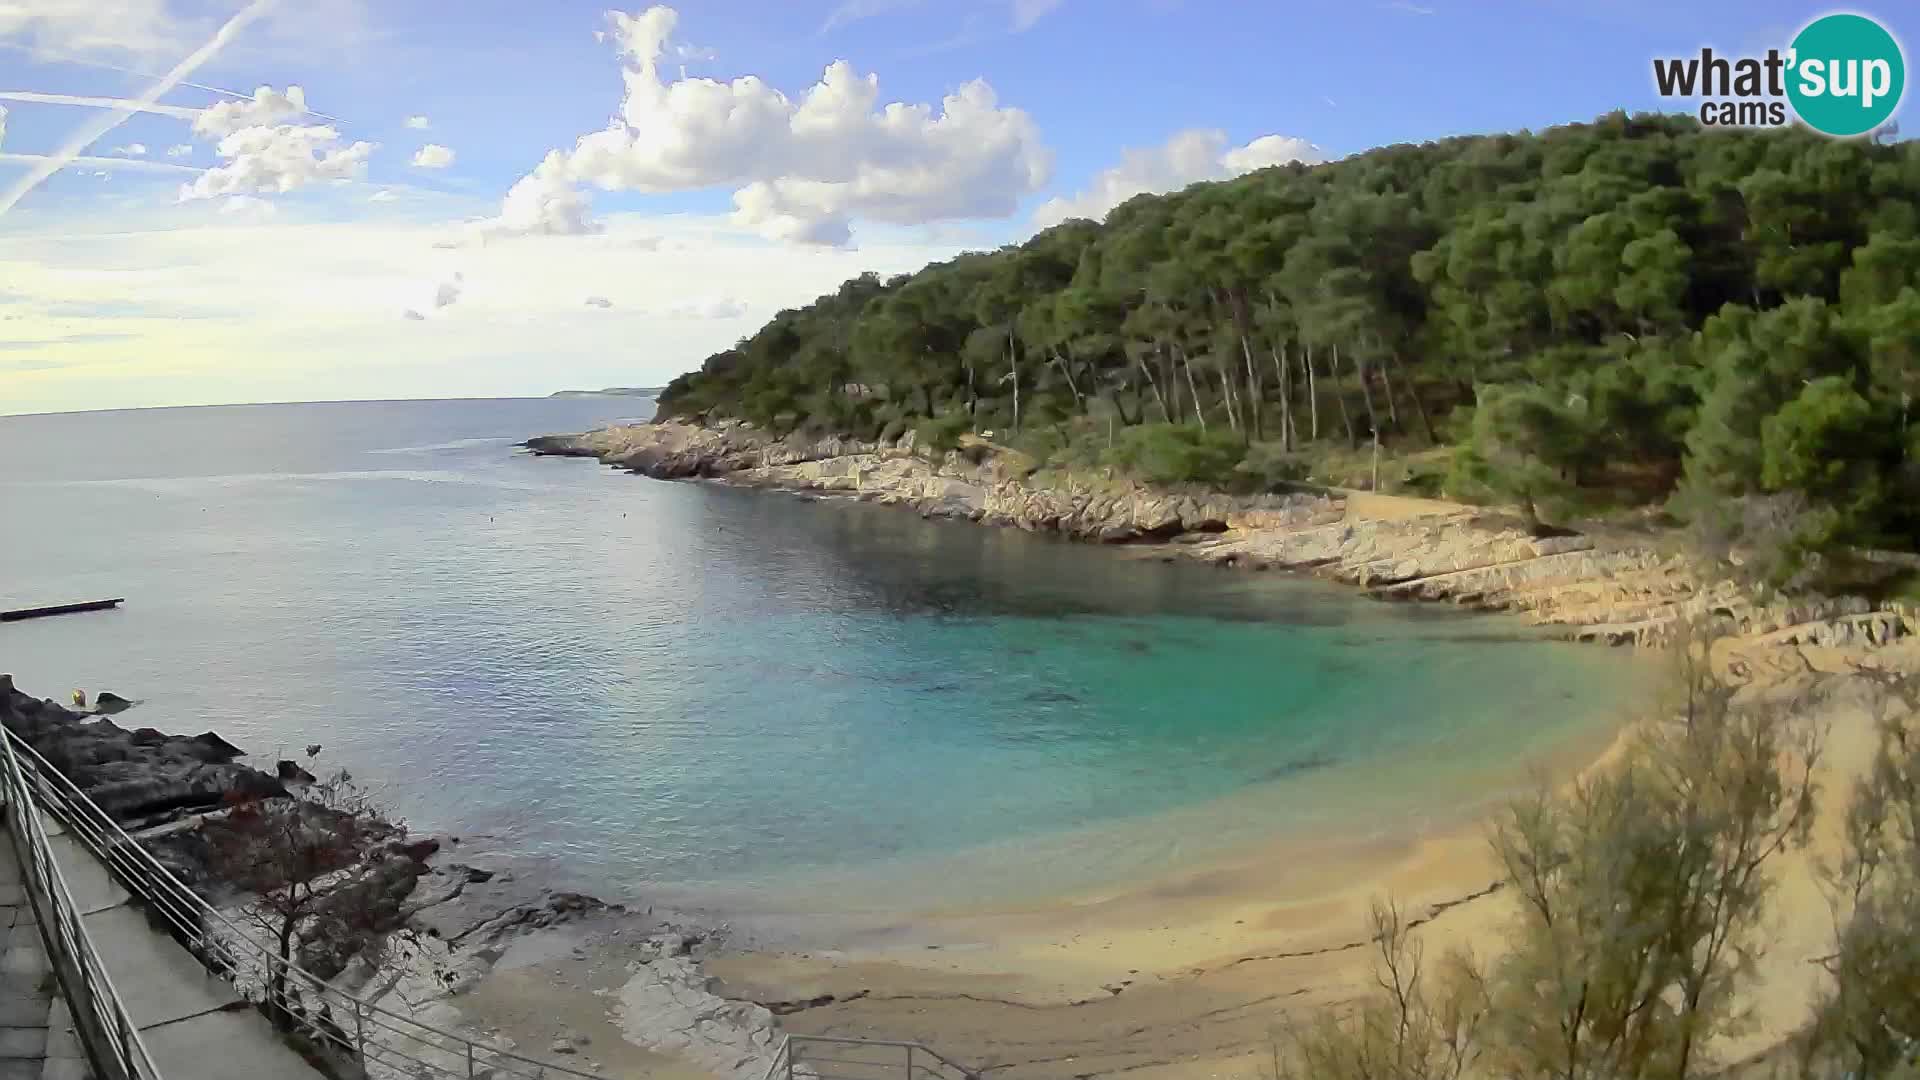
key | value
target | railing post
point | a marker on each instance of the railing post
(469, 1061)
(789, 1057)
(359, 1035)
(909, 1061)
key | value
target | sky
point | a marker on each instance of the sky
(211, 201)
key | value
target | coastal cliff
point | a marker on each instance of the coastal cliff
(1613, 589)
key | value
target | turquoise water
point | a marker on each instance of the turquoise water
(652, 688)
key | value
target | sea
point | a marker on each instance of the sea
(638, 688)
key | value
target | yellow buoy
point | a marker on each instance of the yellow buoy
(79, 699)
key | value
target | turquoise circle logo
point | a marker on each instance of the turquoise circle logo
(1847, 75)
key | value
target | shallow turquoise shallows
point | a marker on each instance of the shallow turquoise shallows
(678, 689)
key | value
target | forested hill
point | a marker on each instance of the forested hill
(1636, 309)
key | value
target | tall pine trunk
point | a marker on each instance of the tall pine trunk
(1226, 398)
(1157, 396)
(1180, 357)
(1286, 399)
(1253, 389)
(1313, 397)
(1346, 417)
(1366, 394)
(1013, 365)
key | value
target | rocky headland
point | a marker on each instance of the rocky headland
(1615, 588)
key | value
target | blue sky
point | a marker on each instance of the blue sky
(300, 245)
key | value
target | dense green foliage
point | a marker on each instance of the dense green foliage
(1636, 309)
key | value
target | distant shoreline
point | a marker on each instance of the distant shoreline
(611, 391)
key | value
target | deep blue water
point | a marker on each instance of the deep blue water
(647, 685)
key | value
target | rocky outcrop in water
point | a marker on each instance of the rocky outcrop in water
(140, 777)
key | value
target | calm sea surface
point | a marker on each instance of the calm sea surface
(651, 687)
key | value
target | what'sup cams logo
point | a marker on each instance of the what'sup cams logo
(1843, 75)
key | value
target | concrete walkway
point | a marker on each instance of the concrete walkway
(36, 1041)
(193, 1023)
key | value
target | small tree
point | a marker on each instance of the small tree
(292, 854)
(1520, 446)
(1640, 890)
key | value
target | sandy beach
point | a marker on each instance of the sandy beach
(1185, 976)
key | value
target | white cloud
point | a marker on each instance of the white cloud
(246, 206)
(1270, 150)
(803, 169)
(418, 123)
(180, 150)
(433, 156)
(544, 202)
(125, 27)
(383, 195)
(278, 159)
(1188, 158)
(448, 292)
(266, 108)
(1028, 12)
(413, 315)
(599, 302)
(3, 125)
(132, 150)
(707, 307)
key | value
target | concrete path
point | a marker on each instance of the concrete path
(193, 1023)
(26, 984)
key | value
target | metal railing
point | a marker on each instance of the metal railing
(102, 1025)
(357, 1038)
(825, 1057)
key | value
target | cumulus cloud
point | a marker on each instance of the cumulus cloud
(266, 108)
(278, 159)
(180, 150)
(544, 201)
(1187, 158)
(803, 169)
(383, 195)
(599, 302)
(418, 123)
(433, 156)
(132, 150)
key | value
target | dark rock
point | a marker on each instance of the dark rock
(477, 876)
(215, 749)
(108, 702)
(291, 772)
(417, 850)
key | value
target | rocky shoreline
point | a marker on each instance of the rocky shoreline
(452, 924)
(1613, 589)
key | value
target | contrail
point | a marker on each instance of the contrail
(64, 59)
(105, 162)
(179, 112)
(90, 132)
